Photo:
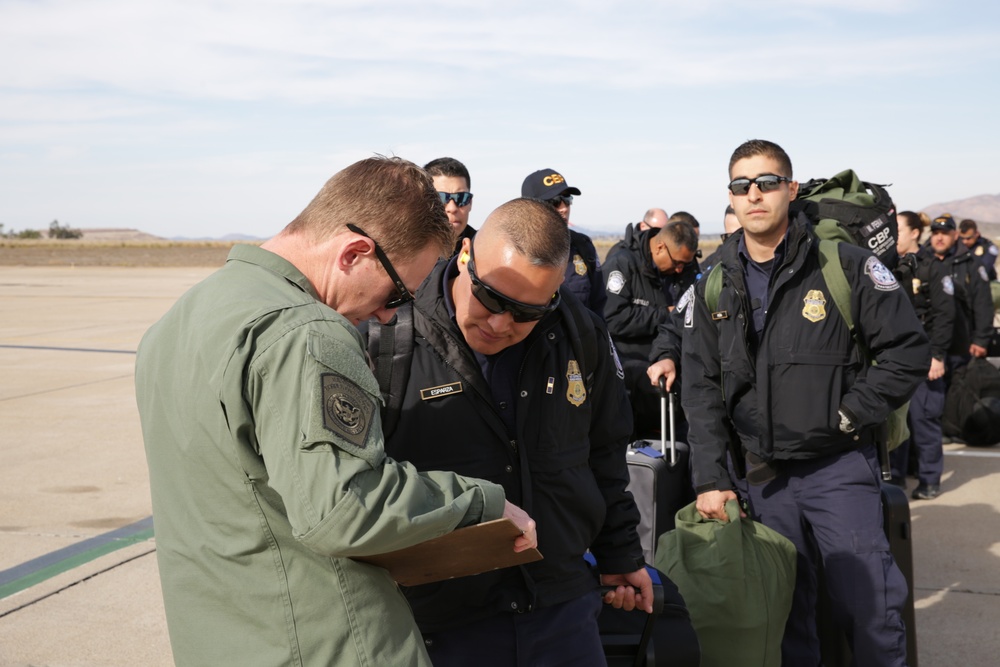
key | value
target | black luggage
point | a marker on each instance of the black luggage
(665, 637)
(896, 522)
(660, 479)
(972, 406)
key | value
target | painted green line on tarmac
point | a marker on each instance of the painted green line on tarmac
(35, 571)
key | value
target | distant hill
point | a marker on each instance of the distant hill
(984, 209)
(118, 234)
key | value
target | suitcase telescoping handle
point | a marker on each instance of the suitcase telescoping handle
(665, 398)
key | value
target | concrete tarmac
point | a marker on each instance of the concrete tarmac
(72, 469)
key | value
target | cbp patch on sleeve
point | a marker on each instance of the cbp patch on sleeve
(994, 250)
(347, 409)
(880, 275)
(616, 281)
(948, 285)
(619, 371)
(685, 299)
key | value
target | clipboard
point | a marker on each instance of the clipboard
(463, 552)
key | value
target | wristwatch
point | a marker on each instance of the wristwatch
(845, 423)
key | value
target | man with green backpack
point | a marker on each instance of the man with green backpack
(776, 371)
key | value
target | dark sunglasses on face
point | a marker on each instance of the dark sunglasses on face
(765, 183)
(460, 198)
(560, 200)
(498, 303)
(677, 266)
(404, 294)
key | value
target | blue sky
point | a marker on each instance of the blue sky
(215, 117)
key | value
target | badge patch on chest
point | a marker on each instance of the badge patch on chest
(814, 309)
(576, 393)
(347, 410)
(440, 391)
(579, 265)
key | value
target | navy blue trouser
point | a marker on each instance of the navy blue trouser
(831, 509)
(565, 634)
(926, 408)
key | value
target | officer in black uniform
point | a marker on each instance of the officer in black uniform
(645, 281)
(772, 372)
(932, 293)
(974, 306)
(583, 270)
(512, 379)
(981, 247)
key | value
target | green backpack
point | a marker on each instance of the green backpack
(897, 432)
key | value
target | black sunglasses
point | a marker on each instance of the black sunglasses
(560, 200)
(497, 303)
(765, 183)
(404, 294)
(460, 198)
(676, 264)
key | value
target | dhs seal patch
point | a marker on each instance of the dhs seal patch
(948, 285)
(347, 410)
(814, 309)
(881, 277)
(616, 281)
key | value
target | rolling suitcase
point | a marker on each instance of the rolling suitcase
(635, 638)
(660, 479)
(896, 522)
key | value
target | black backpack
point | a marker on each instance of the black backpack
(845, 208)
(972, 407)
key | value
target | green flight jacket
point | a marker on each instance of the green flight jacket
(267, 472)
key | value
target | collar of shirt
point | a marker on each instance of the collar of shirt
(276, 264)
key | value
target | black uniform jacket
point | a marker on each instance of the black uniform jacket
(583, 273)
(780, 397)
(986, 252)
(973, 302)
(932, 293)
(639, 296)
(565, 466)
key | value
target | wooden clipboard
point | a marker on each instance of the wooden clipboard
(463, 552)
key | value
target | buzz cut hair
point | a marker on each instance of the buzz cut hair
(534, 228)
(755, 147)
(448, 166)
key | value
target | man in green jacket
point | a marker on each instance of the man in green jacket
(264, 443)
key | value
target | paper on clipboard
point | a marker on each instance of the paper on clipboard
(460, 553)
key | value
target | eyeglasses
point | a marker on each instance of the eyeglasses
(676, 265)
(765, 183)
(460, 198)
(498, 303)
(560, 200)
(404, 294)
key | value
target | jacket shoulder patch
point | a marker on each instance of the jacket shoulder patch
(616, 281)
(347, 409)
(881, 277)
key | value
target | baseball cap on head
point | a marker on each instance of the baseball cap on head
(943, 222)
(546, 184)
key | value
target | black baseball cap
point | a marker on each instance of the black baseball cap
(943, 222)
(546, 184)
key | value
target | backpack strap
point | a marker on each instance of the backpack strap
(713, 287)
(390, 347)
(833, 274)
(588, 343)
